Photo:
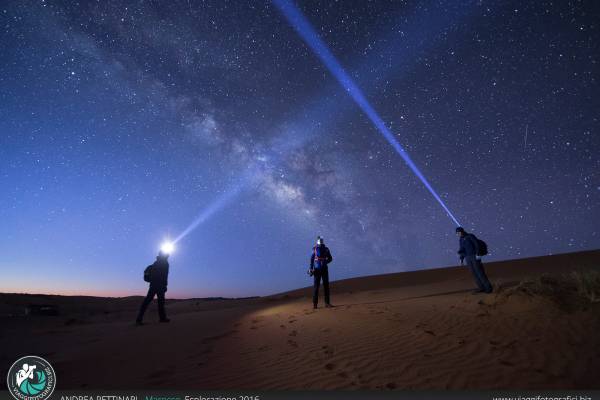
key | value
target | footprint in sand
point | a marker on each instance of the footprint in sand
(218, 337)
(292, 321)
(255, 324)
(292, 343)
(330, 366)
(293, 333)
(282, 326)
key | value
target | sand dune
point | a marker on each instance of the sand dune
(409, 330)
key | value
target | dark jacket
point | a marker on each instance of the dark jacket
(468, 246)
(320, 257)
(160, 273)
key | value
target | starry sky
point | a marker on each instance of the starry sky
(123, 123)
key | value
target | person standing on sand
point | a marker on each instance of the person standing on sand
(319, 259)
(469, 250)
(159, 273)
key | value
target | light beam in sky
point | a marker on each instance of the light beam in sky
(303, 27)
(220, 202)
(292, 139)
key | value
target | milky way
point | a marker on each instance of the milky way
(122, 123)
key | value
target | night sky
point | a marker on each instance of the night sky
(122, 123)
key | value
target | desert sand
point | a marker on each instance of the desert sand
(412, 330)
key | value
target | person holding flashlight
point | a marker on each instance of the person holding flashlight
(157, 274)
(469, 250)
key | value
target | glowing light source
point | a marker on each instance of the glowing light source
(167, 247)
(303, 27)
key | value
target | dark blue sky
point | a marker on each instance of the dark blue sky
(121, 122)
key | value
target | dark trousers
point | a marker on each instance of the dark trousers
(321, 273)
(160, 295)
(478, 272)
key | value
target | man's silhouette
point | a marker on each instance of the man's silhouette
(159, 273)
(469, 250)
(320, 258)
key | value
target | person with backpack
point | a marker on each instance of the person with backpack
(471, 249)
(157, 275)
(319, 259)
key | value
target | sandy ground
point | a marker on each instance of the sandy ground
(421, 330)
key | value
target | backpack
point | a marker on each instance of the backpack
(483, 249)
(320, 254)
(148, 273)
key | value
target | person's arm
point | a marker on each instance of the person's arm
(329, 256)
(312, 260)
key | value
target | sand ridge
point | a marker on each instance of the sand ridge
(418, 330)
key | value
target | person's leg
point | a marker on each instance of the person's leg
(472, 263)
(487, 286)
(326, 284)
(160, 295)
(316, 284)
(145, 304)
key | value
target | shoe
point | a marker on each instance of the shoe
(139, 323)
(328, 305)
(165, 320)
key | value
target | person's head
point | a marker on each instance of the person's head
(460, 231)
(320, 241)
(163, 255)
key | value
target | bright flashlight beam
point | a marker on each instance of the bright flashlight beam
(303, 27)
(221, 201)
